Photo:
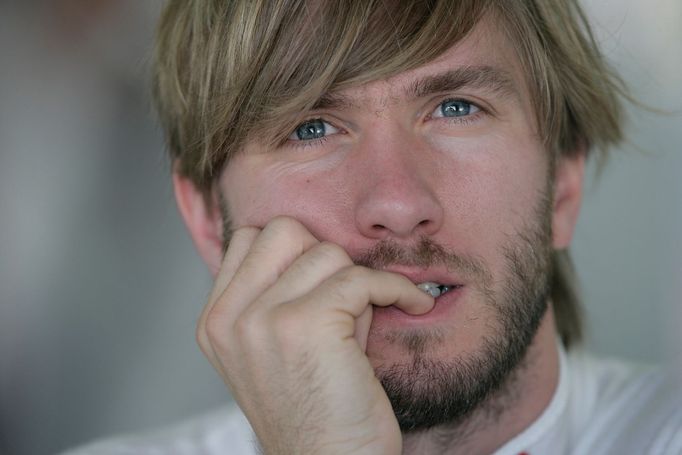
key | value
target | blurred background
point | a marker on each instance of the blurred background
(100, 286)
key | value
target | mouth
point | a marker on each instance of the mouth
(448, 298)
(436, 289)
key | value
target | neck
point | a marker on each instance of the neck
(509, 411)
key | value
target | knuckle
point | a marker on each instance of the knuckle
(353, 274)
(201, 338)
(246, 326)
(281, 230)
(215, 332)
(346, 279)
(285, 226)
(333, 253)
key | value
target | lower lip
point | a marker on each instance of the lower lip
(445, 305)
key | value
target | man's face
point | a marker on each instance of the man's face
(437, 174)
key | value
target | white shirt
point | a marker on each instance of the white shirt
(599, 407)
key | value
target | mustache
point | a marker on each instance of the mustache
(423, 254)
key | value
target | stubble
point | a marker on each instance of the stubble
(426, 392)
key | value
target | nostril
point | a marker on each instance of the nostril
(383, 213)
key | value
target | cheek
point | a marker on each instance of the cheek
(492, 193)
(255, 194)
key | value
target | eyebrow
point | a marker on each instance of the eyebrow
(335, 101)
(487, 78)
(479, 77)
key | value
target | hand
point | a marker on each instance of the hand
(286, 327)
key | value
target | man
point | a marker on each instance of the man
(385, 193)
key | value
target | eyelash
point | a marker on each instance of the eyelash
(301, 144)
(463, 120)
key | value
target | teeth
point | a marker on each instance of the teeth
(433, 289)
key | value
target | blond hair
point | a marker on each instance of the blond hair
(227, 72)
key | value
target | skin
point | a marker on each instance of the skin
(295, 327)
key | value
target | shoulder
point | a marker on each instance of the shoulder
(623, 407)
(219, 432)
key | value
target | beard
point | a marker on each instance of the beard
(426, 392)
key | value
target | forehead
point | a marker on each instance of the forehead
(485, 58)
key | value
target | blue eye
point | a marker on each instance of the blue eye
(312, 129)
(455, 108)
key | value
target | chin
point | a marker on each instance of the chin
(439, 373)
(452, 330)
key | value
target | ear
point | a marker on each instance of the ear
(203, 220)
(568, 191)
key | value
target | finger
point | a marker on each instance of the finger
(306, 273)
(353, 288)
(240, 244)
(280, 242)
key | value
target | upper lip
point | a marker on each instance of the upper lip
(435, 275)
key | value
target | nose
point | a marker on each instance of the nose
(398, 197)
